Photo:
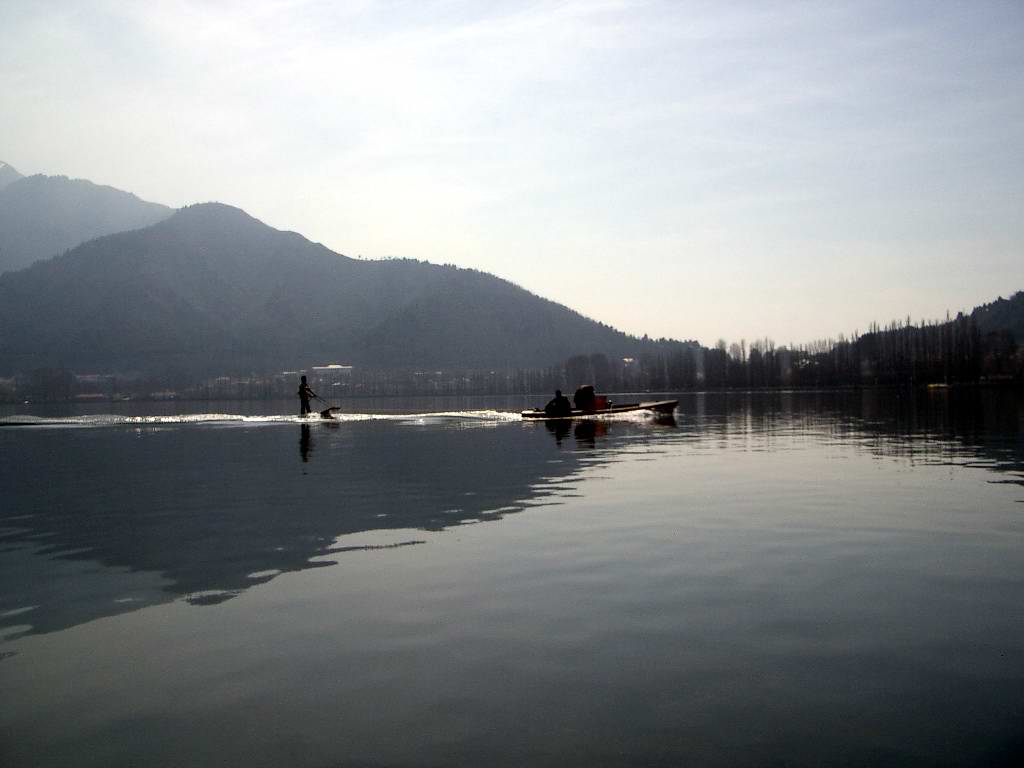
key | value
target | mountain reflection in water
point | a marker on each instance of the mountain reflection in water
(98, 522)
(214, 511)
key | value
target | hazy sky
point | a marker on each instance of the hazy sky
(684, 169)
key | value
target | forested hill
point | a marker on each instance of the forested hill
(212, 289)
(41, 216)
(1002, 315)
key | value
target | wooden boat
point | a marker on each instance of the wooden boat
(663, 407)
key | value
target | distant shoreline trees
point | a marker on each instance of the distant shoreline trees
(900, 354)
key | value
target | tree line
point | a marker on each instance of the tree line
(902, 353)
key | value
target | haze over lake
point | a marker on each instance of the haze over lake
(797, 578)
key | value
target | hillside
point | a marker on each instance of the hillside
(212, 289)
(1002, 315)
(8, 174)
(42, 216)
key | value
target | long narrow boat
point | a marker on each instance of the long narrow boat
(661, 406)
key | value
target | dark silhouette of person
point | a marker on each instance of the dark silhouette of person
(305, 443)
(585, 398)
(305, 393)
(559, 405)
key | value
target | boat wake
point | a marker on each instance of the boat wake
(470, 418)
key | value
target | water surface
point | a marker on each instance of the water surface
(770, 579)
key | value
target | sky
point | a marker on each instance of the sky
(694, 170)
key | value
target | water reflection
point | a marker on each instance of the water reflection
(129, 518)
(958, 426)
(305, 442)
(559, 428)
(587, 432)
(100, 522)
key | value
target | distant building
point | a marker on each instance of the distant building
(93, 378)
(95, 386)
(332, 374)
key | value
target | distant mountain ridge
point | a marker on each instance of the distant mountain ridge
(211, 289)
(8, 174)
(42, 216)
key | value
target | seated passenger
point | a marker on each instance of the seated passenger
(558, 406)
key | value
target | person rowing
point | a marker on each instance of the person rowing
(305, 394)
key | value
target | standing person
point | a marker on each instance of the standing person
(305, 393)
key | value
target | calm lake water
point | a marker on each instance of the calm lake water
(795, 579)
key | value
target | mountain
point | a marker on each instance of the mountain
(41, 216)
(1002, 315)
(8, 174)
(211, 289)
